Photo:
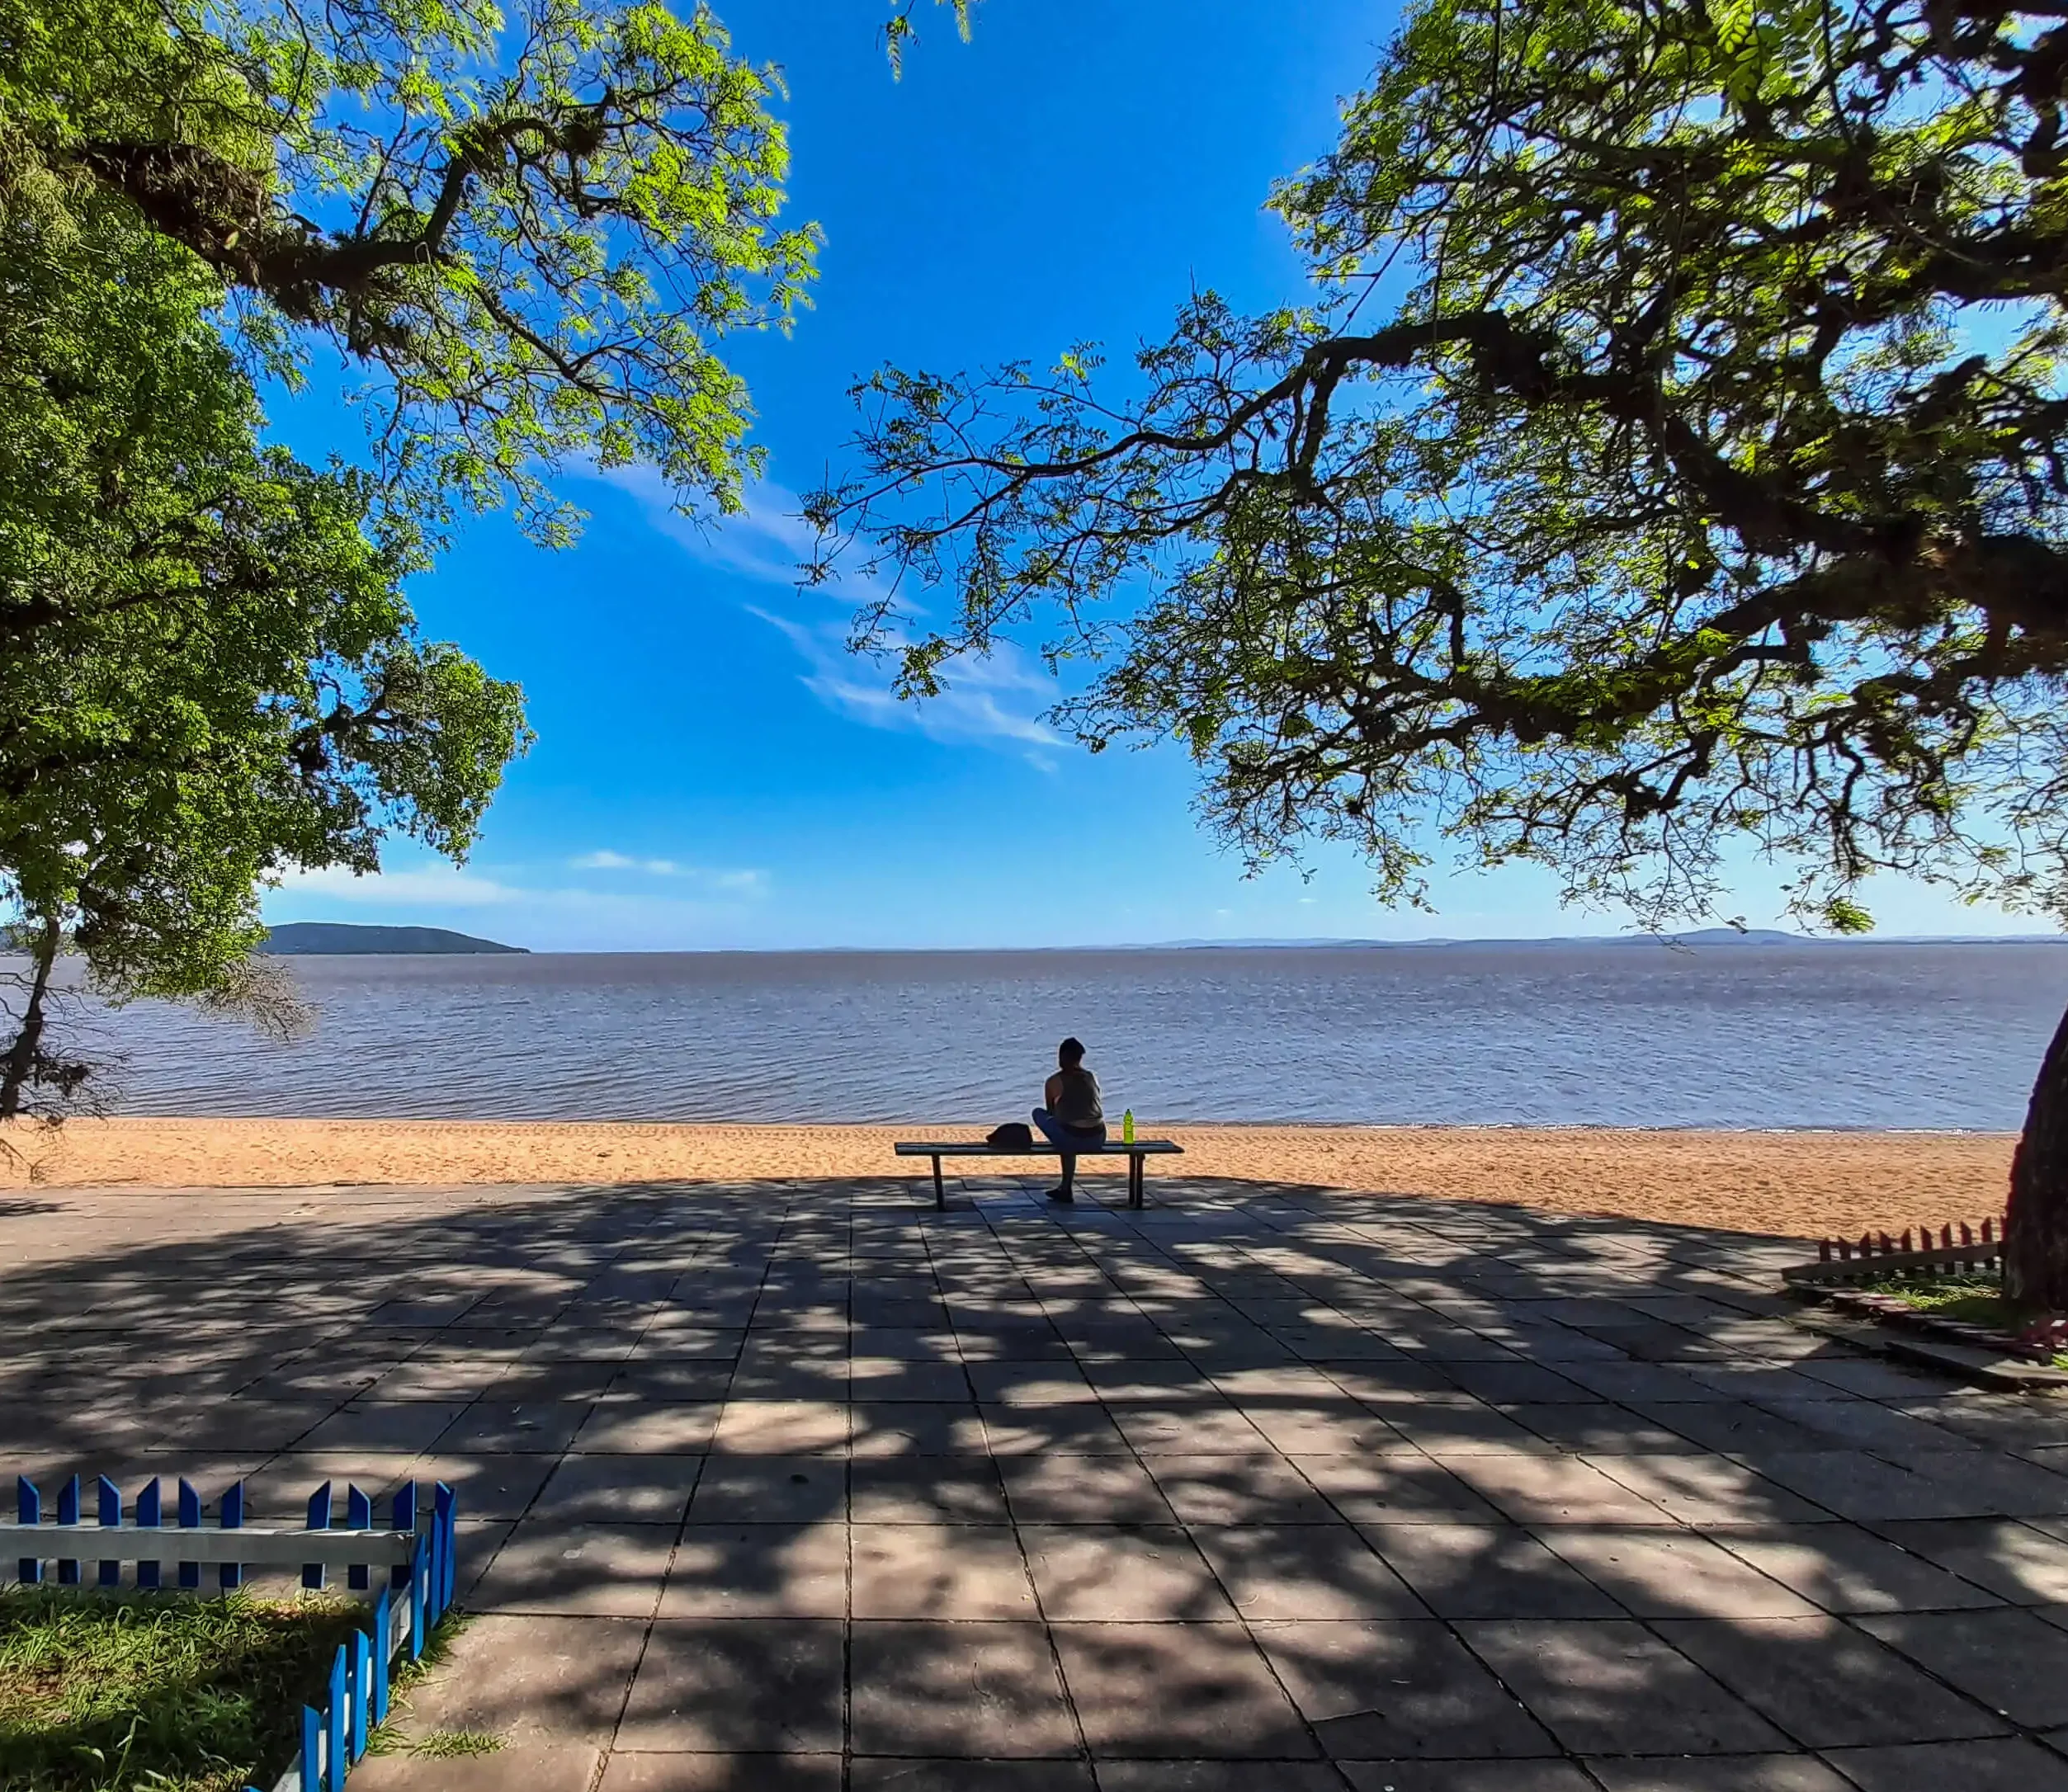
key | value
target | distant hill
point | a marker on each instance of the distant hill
(313, 939)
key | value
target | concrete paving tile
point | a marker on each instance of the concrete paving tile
(758, 1570)
(1866, 1425)
(892, 1380)
(514, 1427)
(1825, 1684)
(1379, 1691)
(1518, 1383)
(1305, 1571)
(1996, 1485)
(1218, 1776)
(1136, 1574)
(1549, 1489)
(1060, 1489)
(1177, 1691)
(1167, 1431)
(941, 1572)
(630, 1772)
(970, 1690)
(617, 1426)
(1846, 1568)
(647, 1490)
(1704, 1489)
(1398, 1489)
(914, 1428)
(913, 1344)
(1863, 1488)
(1473, 1429)
(2011, 1765)
(1628, 1382)
(532, 1679)
(2017, 1562)
(1758, 1380)
(1341, 1428)
(2014, 1663)
(1037, 1385)
(486, 1485)
(1656, 1573)
(1596, 1425)
(875, 1775)
(781, 1428)
(1464, 1776)
(1608, 1686)
(410, 1425)
(537, 1766)
(1260, 1488)
(964, 1490)
(1488, 1571)
(738, 1686)
(529, 1380)
(2003, 1420)
(1151, 1380)
(643, 1379)
(1296, 1382)
(594, 1570)
(1076, 1430)
(1874, 1378)
(1719, 1773)
(770, 1490)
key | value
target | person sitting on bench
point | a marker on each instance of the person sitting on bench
(1070, 1114)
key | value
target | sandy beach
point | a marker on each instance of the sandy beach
(1795, 1184)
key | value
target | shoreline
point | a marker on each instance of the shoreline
(1801, 1184)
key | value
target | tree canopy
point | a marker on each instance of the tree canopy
(1671, 463)
(529, 231)
(209, 675)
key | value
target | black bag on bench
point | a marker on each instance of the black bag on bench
(1014, 1135)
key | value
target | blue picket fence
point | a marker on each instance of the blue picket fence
(414, 1557)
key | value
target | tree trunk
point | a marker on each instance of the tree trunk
(20, 1063)
(2036, 1236)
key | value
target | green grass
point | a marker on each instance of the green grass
(388, 1739)
(450, 1742)
(1974, 1299)
(114, 1692)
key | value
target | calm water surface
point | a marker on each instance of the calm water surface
(1620, 1034)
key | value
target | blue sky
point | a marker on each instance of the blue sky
(712, 770)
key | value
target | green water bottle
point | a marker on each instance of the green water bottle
(1127, 1127)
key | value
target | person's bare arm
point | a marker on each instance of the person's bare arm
(1051, 1090)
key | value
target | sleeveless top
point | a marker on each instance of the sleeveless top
(1077, 1103)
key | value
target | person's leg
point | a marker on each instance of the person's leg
(1057, 1134)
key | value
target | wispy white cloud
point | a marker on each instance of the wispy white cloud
(769, 541)
(994, 700)
(607, 860)
(438, 886)
(738, 883)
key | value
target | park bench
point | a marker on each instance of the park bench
(1135, 1153)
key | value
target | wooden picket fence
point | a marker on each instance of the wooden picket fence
(414, 1557)
(1956, 1250)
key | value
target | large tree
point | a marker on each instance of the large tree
(529, 228)
(209, 674)
(1672, 469)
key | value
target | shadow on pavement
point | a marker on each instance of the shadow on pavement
(801, 1483)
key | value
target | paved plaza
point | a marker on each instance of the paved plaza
(802, 1485)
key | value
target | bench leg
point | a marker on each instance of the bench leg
(1135, 1166)
(940, 1190)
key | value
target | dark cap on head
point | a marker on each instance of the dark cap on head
(1070, 1049)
